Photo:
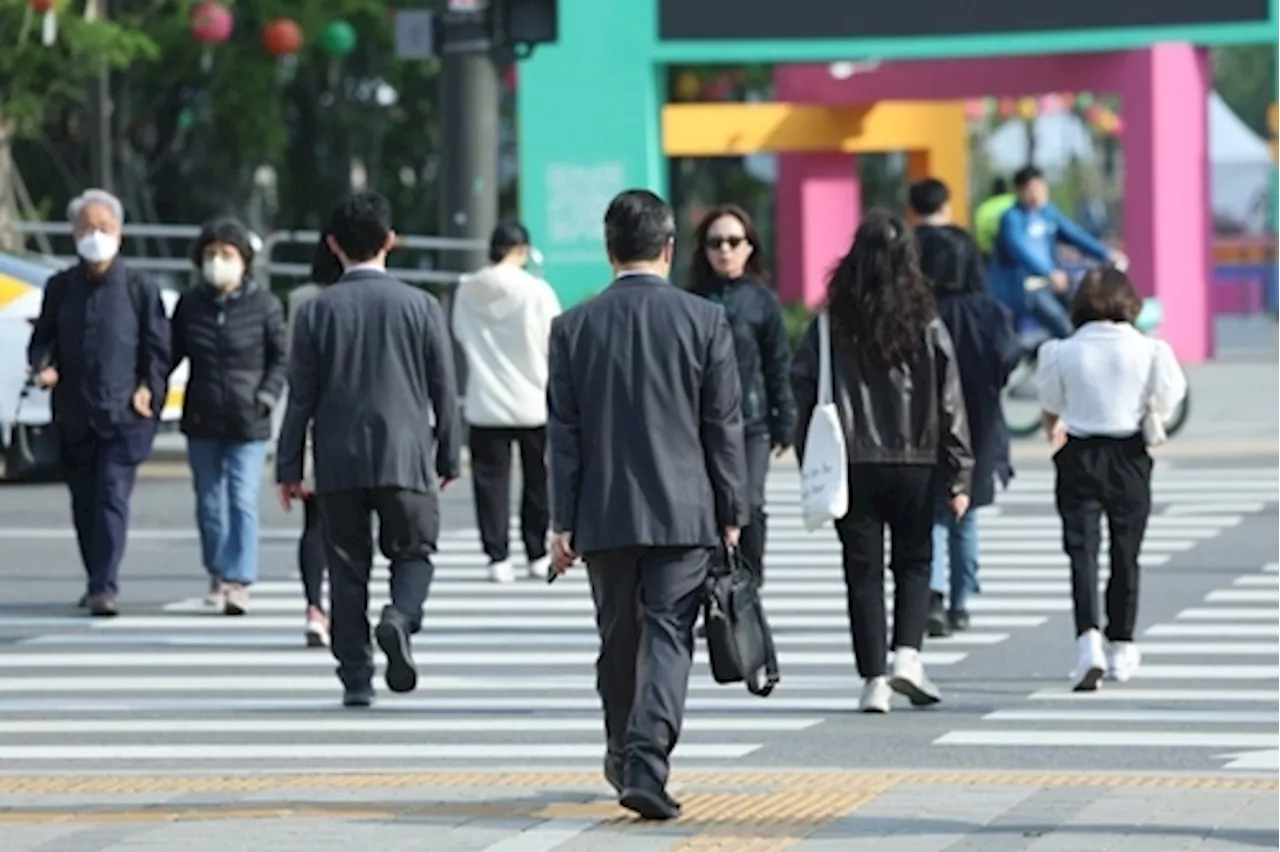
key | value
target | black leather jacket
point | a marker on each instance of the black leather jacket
(914, 415)
(764, 356)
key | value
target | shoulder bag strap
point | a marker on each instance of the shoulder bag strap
(825, 395)
(771, 674)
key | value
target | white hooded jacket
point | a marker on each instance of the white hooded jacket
(502, 321)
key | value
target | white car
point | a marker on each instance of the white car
(22, 281)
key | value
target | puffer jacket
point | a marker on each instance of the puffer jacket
(764, 356)
(236, 345)
(913, 414)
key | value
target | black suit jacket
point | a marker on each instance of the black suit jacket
(644, 420)
(369, 364)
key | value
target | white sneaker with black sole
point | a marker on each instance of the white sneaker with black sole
(909, 679)
(876, 695)
(1123, 661)
(1091, 663)
(502, 571)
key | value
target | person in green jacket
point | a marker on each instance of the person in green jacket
(987, 217)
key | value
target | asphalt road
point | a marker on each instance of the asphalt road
(507, 671)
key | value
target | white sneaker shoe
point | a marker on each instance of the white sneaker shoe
(539, 568)
(876, 695)
(502, 572)
(910, 680)
(1123, 661)
(1091, 664)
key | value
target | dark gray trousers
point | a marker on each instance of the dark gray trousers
(646, 599)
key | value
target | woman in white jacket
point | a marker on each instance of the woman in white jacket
(502, 322)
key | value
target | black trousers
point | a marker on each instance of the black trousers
(1097, 476)
(901, 496)
(408, 526)
(100, 472)
(311, 555)
(491, 480)
(752, 542)
(646, 601)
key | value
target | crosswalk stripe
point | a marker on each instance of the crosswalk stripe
(1214, 630)
(362, 752)
(1109, 739)
(1128, 694)
(1142, 716)
(1208, 649)
(382, 724)
(1229, 614)
(1213, 672)
(201, 704)
(1243, 596)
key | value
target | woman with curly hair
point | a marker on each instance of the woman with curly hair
(896, 386)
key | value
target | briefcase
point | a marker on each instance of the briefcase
(34, 452)
(739, 641)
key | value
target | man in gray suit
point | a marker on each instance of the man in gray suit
(647, 480)
(370, 363)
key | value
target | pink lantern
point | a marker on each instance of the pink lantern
(975, 110)
(211, 25)
(1118, 128)
(1050, 104)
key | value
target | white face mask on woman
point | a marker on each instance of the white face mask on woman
(223, 273)
(97, 247)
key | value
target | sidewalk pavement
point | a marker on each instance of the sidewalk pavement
(729, 811)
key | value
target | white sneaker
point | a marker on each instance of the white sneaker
(876, 695)
(502, 572)
(1123, 661)
(1091, 664)
(910, 680)
(539, 568)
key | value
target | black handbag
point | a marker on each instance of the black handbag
(34, 452)
(739, 641)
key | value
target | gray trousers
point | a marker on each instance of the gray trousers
(646, 599)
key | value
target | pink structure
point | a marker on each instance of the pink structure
(1166, 184)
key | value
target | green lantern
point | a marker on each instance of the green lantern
(1084, 100)
(338, 39)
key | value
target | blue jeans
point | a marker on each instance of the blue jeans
(955, 555)
(1049, 308)
(227, 477)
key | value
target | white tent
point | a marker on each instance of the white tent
(1060, 138)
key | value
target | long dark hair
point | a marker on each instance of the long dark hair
(879, 300)
(702, 277)
(325, 266)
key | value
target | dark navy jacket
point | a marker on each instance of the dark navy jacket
(106, 337)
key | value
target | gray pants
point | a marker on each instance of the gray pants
(647, 599)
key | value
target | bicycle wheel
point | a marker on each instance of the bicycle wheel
(1020, 401)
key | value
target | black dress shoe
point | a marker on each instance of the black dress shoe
(615, 772)
(103, 606)
(958, 619)
(393, 638)
(650, 802)
(361, 697)
(937, 625)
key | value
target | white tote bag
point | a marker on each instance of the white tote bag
(824, 475)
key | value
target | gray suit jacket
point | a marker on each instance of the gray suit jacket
(644, 420)
(370, 362)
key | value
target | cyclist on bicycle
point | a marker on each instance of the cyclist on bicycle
(1026, 258)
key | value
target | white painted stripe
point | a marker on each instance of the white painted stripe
(208, 620)
(1210, 649)
(1210, 672)
(1272, 567)
(312, 753)
(1229, 614)
(306, 658)
(1247, 717)
(1221, 506)
(1214, 630)
(542, 837)
(1171, 695)
(382, 722)
(788, 529)
(491, 607)
(425, 642)
(1107, 739)
(1257, 580)
(1244, 596)
(1048, 544)
(781, 589)
(726, 702)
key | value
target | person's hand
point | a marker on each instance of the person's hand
(1061, 283)
(780, 450)
(47, 378)
(142, 402)
(287, 492)
(446, 482)
(1058, 435)
(732, 535)
(562, 555)
(959, 504)
(1119, 260)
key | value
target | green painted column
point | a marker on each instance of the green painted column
(588, 127)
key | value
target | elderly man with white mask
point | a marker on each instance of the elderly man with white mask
(102, 344)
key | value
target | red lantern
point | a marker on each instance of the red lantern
(49, 23)
(211, 23)
(282, 37)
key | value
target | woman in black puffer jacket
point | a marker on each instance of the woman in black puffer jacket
(232, 331)
(728, 268)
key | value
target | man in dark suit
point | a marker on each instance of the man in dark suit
(648, 479)
(370, 364)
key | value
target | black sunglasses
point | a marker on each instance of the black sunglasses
(714, 243)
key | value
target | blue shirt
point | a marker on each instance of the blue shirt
(1027, 247)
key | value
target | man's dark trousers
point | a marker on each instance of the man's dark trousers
(408, 525)
(754, 534)
(646, 601)
(100, 469)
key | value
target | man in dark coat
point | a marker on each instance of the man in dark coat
(987, 351)
(370, 364)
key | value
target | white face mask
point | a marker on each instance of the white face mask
(97, 247)
(223, 273)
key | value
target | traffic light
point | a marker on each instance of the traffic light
(521, 25)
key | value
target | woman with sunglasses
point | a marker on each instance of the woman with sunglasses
(728, 268)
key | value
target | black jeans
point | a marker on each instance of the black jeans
(1097, 476)
(753, 534)
(408, 525)
(901, 496)
(311, 556)
(491, 480)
